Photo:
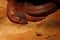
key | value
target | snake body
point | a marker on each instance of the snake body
(24, 12)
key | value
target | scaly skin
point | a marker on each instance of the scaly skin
(26, 14)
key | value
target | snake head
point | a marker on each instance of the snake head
(21, 17)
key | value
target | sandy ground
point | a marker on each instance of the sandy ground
(47, 29)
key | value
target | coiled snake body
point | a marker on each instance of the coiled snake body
(24, 12)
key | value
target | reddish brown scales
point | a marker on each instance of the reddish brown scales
(28, 12)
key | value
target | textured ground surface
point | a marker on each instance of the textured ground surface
(47, 29)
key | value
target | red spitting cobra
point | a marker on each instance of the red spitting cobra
(24, 12)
